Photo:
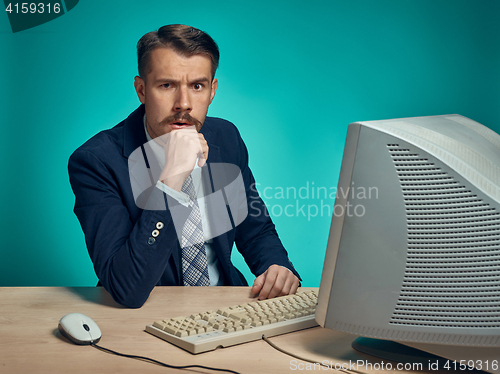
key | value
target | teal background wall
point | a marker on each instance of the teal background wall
(292, 76)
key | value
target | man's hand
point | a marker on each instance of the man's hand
(182, 148)
(275, 281)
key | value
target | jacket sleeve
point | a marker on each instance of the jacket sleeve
(128, 258)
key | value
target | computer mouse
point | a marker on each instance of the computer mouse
(79, 328)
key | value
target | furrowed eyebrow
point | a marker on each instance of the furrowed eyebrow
(166, 80)
(200, 80)
(193, 81)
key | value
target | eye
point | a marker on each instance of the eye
(166, 85)
(197, 86)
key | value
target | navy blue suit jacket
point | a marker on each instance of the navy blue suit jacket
(118, 234)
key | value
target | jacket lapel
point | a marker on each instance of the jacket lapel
(133, 131)
(220, 242)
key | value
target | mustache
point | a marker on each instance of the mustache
(182, 117)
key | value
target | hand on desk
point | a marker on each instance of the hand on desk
(275, 281)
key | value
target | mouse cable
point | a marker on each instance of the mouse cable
(152, 361)
(266, 339)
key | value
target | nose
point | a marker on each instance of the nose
(183, 100)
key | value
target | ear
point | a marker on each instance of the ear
(215, 85)
(140, 88)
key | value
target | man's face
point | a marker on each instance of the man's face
(176, 92)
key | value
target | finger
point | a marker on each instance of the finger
(295, 285)
(279, 283)
(272, 274)
(287, 287)
(203, 155)
(291, 284)
(258, 283)
(191, 128)
(205, 151)
(202, 139)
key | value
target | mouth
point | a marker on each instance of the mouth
(180, 124)
(181, 121)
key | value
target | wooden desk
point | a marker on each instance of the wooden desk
(31, 343)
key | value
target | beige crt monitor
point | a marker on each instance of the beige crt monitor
(413, 254)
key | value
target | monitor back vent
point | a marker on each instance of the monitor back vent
(452, 276)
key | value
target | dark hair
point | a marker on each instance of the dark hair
(185, 40)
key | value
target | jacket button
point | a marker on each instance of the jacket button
(155, 233)
(159, 225)
(151, 241)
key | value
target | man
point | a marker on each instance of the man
(132, 238)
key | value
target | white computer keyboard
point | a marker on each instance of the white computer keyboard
(242, 323)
